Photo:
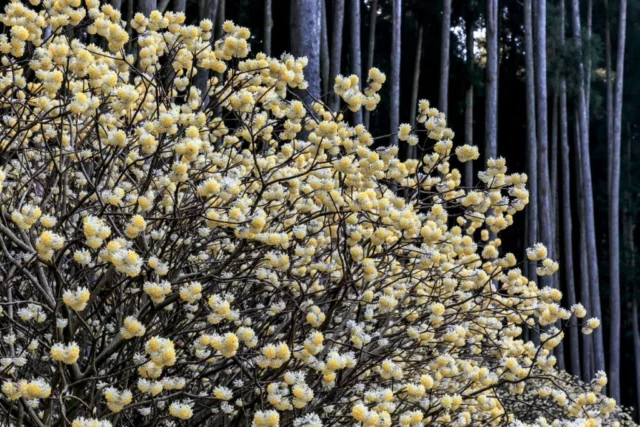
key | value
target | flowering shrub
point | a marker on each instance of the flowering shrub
(226, 255)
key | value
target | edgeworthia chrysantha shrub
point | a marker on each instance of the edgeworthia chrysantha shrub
(218, 254)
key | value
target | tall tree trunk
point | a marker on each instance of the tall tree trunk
(336, 49)
(268, 26)
(208, 9)
(468, 104)
(221, 16)
(324, 48)
(588, 59)
(609, 83)
(585, 294)
(147, 6)
(445, 41)
(395, 70)
(180, 6)
(598, 345)
(532, 149)
(544, 186)
(356, 49)
(373, 18)
(636, 349)
(116, 4)
(412, 149)
(614, 212)
(305, 41)
(567, 237)
(491, 83)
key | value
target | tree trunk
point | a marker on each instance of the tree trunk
(268, 26)
(221, 16)
(336, 50)
(373, 18)
(468, 105)
(588, 195)
(614, 212)
(208, 9)
(532, 150)
(395, 70)
(636, 349)
(147, 6)
(609, 83)
(305, 41)
(445, 41)
(585, 294)
(116, 4)
(180, 6)
(588, 60)
(324, 48)
(491, 84)
(412, 149)
(356, 50)
(567, 237)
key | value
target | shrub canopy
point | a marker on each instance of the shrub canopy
(183, 238)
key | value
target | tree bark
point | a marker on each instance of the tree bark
(221, 16)
(445, 41)
(207, 9)
(180, 6)
(412, 150)
(614, 212)
(468, 105)
(268, 26)
(567, 228)
(116, 4)
(356, 49)
(532, 149)
(373, 18)
(491, 83)
(587, 186)
(305, 41)
(585, 294)
(636, 349)
(147, 6)
(324, 48)
(336, 49)
(395, 70)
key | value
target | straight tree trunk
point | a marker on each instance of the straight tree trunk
(636, 349)
(609, 83)
(570, 285)
(491, 82)
(180, 6)
(412, 150)
(305, 41)
(373, 18)
(598, 345)
(468, 105)
(147, 6)
(532, 149)
(221, 16)
(336, 49)
(614, 212)
(116, 4)
(324, 49)
(588, 59)
(395, 70)
(585, 294)
(208, 9)
(268, 26)
(567, 237)
(445, 41)
(356, 50)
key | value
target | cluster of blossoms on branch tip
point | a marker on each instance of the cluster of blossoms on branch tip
(185, 241)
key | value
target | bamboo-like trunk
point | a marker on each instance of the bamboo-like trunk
(268, 26)
(324, 48)
(412, 150)
(395, 70)
(587, 185)
(585, 294)
(356, 49)
(305, 41)
(147, 6)
(491, 82)
(373, 19)
(208, 9)
(468, 104)
(336, 50)
(614, 212)
(532, 150)
(445, 41)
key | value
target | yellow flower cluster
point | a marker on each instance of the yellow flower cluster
(275, 258)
